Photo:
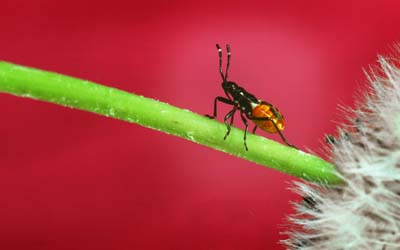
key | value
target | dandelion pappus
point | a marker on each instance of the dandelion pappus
(265, 115)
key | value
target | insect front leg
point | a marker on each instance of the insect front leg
(221, 99)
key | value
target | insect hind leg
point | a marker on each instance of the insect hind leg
(276, 127)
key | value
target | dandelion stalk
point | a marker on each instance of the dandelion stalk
(85, 95)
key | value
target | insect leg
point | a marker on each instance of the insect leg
(276, 127)
(254, 129)
(220, 61)
(281, 135)
(245, 130)
(228, 125)
(221, 99)
(283, 138)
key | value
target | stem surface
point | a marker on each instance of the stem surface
(85, 95)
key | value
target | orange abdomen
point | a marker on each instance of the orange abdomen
(263, 110)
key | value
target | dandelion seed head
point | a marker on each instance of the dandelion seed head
(364, 213)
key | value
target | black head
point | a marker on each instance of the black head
(228, 49)
(229, 86)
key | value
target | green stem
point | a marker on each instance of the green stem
(85, 95)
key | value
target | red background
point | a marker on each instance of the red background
(74, 180)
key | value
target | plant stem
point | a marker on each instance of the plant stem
(85, 95)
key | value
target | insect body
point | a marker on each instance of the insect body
(263, 114)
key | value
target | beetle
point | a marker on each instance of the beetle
(265, 115)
